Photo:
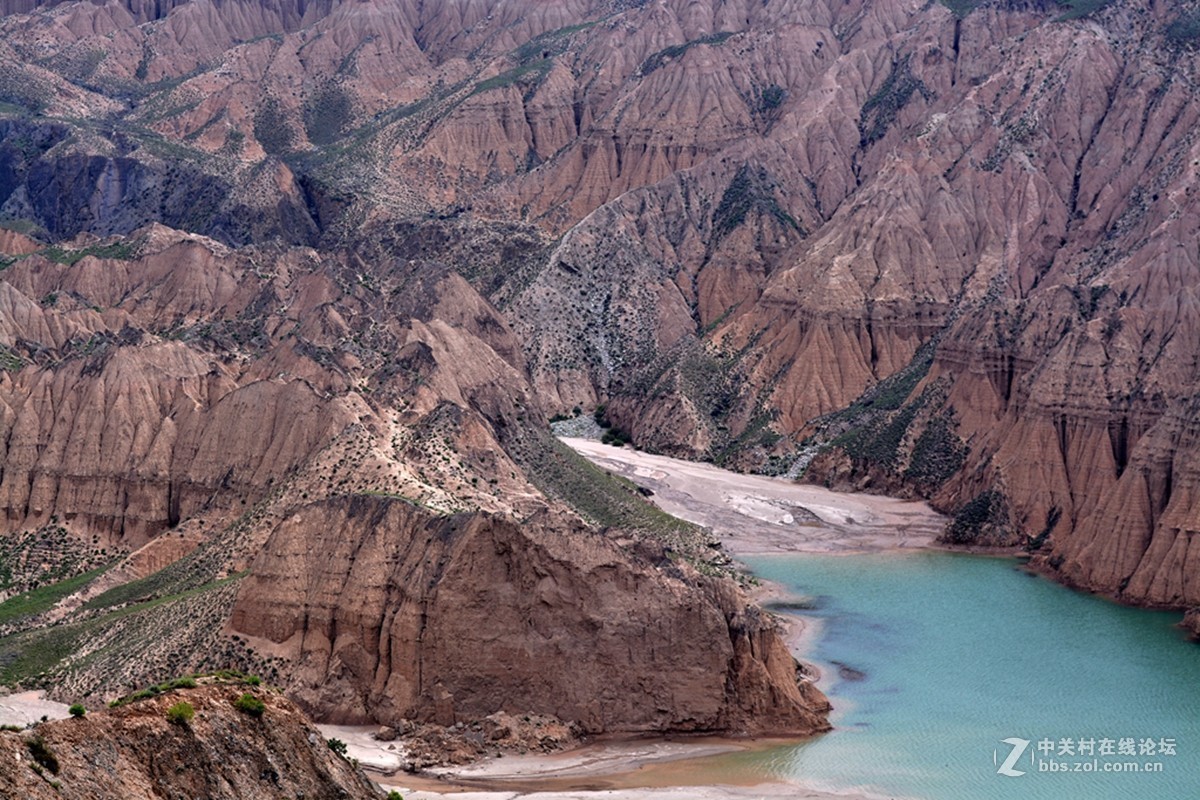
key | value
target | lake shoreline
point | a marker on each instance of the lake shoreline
(752, 515)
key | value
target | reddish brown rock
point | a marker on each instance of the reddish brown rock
(387, 613)
(135, 753)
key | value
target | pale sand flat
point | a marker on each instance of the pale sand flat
(25, 707)
(756, 514)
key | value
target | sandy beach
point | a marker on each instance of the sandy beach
(613, 770)
(756, 514)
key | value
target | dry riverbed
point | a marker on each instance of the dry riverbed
(756, 514)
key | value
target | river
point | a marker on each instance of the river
(933, 659)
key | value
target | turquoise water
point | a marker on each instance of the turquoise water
(960, 652)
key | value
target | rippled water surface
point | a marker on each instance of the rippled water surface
(945, 655)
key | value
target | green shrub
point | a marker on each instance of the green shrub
(1184, 31)
(253, 680)
(989, 509)
(77, 710)
(337, 746)
(250, 704)
(42, 754)
(394, 795)
(772, 97)
(181, 713)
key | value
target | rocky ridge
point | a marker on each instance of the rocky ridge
(136, 752)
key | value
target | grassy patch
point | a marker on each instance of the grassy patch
(249, 704)
(550, 43)
(181, 713)
(676, 51)
(526, 75)
(32, 655)
(25, 227)
(160, 586)
(43, 598)
(962, 8)
(1075, 9)
(599, 496)
(123, 251)
(10, 360)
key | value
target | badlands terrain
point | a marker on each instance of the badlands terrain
(291, 291)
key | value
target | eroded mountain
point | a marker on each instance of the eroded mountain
(925, 248)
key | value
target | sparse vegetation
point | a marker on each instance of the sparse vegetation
(752, 189)
(937, 454)
(1074, 9)
(327, 113)
(772, 98)
(249, 704)
(181, 713)
(675, 52)
(550, 43)
(880, 110)
(962, 8)
(44, 597)
(77, 710)
(337, 746)
(1184, 31)
(124, 250)
(527, 75)
(42, 754)
(272, 129)
(974, 521)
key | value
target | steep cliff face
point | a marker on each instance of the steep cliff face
(135, 753)
(1061, 386)
(390, 613)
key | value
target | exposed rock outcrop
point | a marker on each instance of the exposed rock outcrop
(135, 753)
(388, 612)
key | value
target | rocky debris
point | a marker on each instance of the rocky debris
(428, 745)
(135, 752)
(1191, 622)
